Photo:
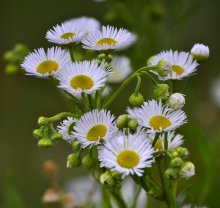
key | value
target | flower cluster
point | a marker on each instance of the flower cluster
(129, 144)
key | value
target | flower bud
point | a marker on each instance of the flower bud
(200, 52)
(88, 162)
(56, 136)
(109, 58)
(38, 133)
(101, 56)
(107, 179)
(182, 151)
(174, 154)
(176, 162)
(163, 67)
(11, 69)
(133, 124)
(161, 91)
(171, 173)
(187, 170)
(73, 160)
(136, 99)
(45, 142)
(42, 120)
(122, 121)
(176, 101)
(76, 146)
(116, 175)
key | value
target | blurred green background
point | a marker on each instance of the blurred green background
(160, 25)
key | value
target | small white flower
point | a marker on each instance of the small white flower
(173, 141)
(66, 33)
(66, 127)
(42, 64)
(94, 127)
(187, 170)
(85, 24)
(176, 101)
(108, 38)
(121, 68)
(82, 76)
(182, 64)
(157, 118)
(200, 52)
(127, 154)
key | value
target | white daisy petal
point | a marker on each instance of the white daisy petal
(42, 64)
(93, 127)
(108, 38)
(121, 68)
(127, 154)
(182, 64)
(157, 118)
(66, 33)
(65, 128)
(83, 76)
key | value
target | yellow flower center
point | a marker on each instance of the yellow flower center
(177, 69)
(128, 159)
(106, 41)
(81, 81)
(67, 35)
(47, 66)
(96, 132)
(158, 122)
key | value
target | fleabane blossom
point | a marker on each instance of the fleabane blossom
(108, 38)
(43, 63)
(158, 118)
(126, 154)
(94, 127)
(182, 64)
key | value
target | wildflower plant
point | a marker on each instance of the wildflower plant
(143, 142)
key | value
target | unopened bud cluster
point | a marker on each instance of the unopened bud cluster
(112, 180)
(124, 122)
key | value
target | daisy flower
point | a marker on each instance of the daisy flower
(182, 64)
(173, 141)
(94, 127)
(66, 127)
(82, 76)
(121, 68)
(158, 118)
(108, 38)
(85, 24)
(41, 63)
(127, 154)
(66, 33)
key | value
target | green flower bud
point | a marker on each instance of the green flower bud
(122, 121)
(11, 69)
(107, 179)
(176, 162)
(163, 67)
(200, 52)
(171, 174)
(45, 142)
(88, 162)
(182, 151)
(136, 99)
(56, 136)
(94, 153)
(98, 62)
(174, 154)
(109, 58)
(20, 48)
(187, 170)
(38, 133)
(116, 175)
(101, 56)
(161, 91)
(73, 160)
(42, 120)
(10, 56)
(76, 146)
(133, 124)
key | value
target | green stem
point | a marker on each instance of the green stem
(106, 203)
(173, 185)
(125, 83)
(155, 139)
(137, 89)
(99, 98)
(134, 204)
(86, 102)
(71, 52)
(150, 77)
(118, 199)
(59, 116)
